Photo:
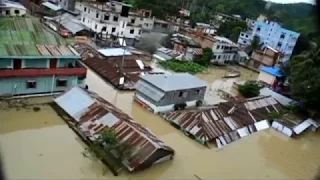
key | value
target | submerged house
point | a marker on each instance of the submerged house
(32, 69)
(161, 92)
(90, 114)
(121, 68)
(226, 122)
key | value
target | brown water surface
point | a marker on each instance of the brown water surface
(38, 145)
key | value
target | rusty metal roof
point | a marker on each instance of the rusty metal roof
(109, 67)
(95, 114)
(210, 122)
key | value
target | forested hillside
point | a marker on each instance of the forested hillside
(299, 16)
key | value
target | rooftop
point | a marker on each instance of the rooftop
(175, 81)
(114, 52)
(52, 6)
(27, 31)
(70, 22)
(37, 51)
(94, 114)
(109, 67)
(276, 71)
(12, 4)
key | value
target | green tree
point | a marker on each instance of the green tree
(249, 89)
(304, 77)
(232, 29)
(206, 57)
(255, 44)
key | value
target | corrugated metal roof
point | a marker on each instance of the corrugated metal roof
(225, 119)
(149, 91)
(114, 52)
(51, 6)
(34, 51)
(175, 81)
(70, 22)
(109, 67)
(95, 114)
(26, 31)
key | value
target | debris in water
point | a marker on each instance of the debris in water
(36, 109)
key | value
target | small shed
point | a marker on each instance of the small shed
(161, 92)
(92, 114)
(51, 9)
(270, 75)
(12, 8)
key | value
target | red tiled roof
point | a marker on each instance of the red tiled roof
(42, 72)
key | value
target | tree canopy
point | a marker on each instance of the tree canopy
(304, 77)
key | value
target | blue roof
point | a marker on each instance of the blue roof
(276, 71)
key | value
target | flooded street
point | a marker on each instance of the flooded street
(38, 145)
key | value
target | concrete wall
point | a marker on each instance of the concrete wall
(11, 12)
(36, 63)
(18, 86)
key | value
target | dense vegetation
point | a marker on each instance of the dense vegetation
(182, 66)
(205, 59)
(249, 89)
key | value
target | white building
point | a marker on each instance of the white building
(205, 28)
(224, 50)
(273, 35)
(114, 18)
(11, 8)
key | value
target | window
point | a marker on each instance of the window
(198, 91)
(146, 24)
(121, 32)
(113, 29)
(97, 15)
(85, 9)
(218, 47)
(31, 84)
(258, 29)
(245, 42)
(115, 18)
(242, 34)
(222, 47)
(83, 19)
(133, 21)
(132, 31)
(282, 36)
(106, 17)
(279, 44)
(7, 12)
(219, 57)
(61, 83)
(96, 26)
(139, 31)
(16, 11)
(247, 36)
(89, 10)
(123, 25)
(214, 57)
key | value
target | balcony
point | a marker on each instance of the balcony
(134, 25)
(80, 71)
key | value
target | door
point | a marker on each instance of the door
(53, 63)
(17, 64)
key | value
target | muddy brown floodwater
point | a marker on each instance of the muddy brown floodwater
(38, 145)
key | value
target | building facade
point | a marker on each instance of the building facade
(114, 18)
(11, 8)
(273, 35)
(161, 92)
(39, 69)
(224, 50)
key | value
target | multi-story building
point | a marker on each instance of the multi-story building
(273, 35)
(32, 69)
(114, 18)
(224, 50)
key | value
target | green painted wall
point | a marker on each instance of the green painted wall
(35, 63)
(5, 63)
(65, 62)
(44, 84)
